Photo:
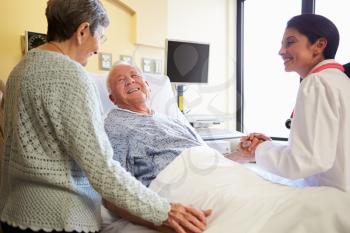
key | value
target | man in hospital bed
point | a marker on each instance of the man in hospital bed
(143, 141)
(169, 157)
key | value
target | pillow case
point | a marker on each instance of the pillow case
(162, 98)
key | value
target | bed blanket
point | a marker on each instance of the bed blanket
(242, 201)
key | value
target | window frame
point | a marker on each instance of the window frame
(308, 6)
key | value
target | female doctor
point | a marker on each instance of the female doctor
(318, 149)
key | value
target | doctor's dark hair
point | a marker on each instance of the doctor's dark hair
(315, 27)
(347, 69)
(65, 16)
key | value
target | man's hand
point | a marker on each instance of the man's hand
(185, 219)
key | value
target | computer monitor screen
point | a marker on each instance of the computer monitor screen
(187, 62)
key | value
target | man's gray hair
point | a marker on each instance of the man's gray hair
(116, 64)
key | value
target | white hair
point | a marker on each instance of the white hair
(116, 64)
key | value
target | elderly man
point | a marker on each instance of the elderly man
(143, 141)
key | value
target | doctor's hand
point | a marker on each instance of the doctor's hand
(185, 219)
(249, 143)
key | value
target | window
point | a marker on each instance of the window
(265, 92)
(269, 92)
(333, 11)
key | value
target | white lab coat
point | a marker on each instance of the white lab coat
(318, 148)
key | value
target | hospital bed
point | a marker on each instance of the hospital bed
(241, 200)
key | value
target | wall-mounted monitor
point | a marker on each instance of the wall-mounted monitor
(187, 62)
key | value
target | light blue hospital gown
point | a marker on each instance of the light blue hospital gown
(145, 145)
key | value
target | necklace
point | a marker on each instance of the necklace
(56, 47)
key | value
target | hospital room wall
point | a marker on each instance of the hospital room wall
(213, 22)
(139, 29)
(127, 34)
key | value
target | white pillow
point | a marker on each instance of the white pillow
(162, 98)
(101, 83)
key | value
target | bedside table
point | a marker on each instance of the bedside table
(223, 140)
(209, 134)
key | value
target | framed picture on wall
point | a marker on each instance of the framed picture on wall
(32, 40)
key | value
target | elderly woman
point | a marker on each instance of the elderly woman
(57, 159)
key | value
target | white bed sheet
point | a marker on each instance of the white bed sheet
(244, 202)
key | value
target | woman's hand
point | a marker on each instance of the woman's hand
(181, 218)
(184, 219)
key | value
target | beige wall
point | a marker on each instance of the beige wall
(133, 30)
(139, 28)
(210, 21)
(151, 21)
(15, 17)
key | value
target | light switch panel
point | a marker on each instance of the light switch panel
(105, 60)
(126, 59)
(148, 65)
(158, 66)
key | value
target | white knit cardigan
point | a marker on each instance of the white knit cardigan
(57, 156)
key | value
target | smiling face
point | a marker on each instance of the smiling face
(128, 88)
(89, 45)
(299, 54)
